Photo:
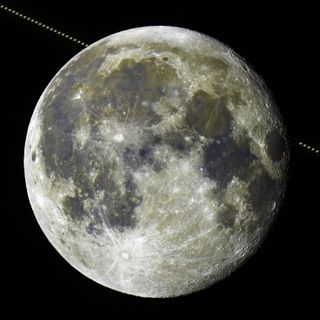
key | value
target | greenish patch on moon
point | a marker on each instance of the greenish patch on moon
(155, 161)
(207, 116)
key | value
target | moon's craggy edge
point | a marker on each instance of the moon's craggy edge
(130, 112)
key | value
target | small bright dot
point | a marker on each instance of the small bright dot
(125, 255)
(118, 137)
(78, 95)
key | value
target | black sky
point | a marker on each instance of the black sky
(279, 42)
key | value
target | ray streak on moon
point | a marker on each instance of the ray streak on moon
(108, 227)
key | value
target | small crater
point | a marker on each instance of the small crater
(165, 58)
(33, 156)
(273, 206)
(158, 166)
(125, 255)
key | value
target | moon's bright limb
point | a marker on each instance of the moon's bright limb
(155, 161)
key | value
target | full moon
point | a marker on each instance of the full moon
(155, 161)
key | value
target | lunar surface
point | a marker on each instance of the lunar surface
(156, 161)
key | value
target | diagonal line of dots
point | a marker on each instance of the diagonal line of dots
(64, 35)
(310, 148)
(43, 25)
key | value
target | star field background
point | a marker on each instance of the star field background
(279, 43)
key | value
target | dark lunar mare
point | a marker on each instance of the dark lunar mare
(57, 126)
(275, 145)
(263, 191)
(223, 159)
(208, 116)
